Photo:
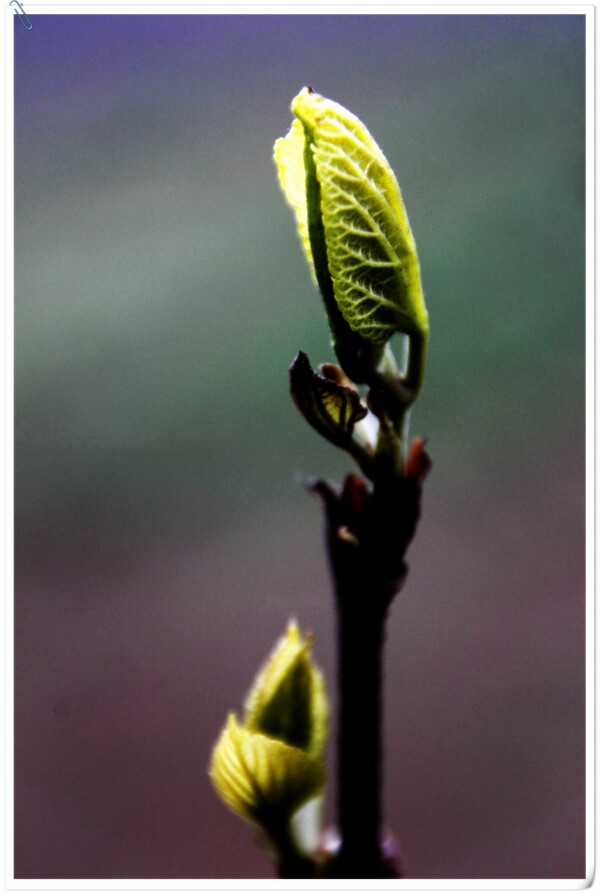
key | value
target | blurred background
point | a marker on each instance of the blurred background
(163, 536)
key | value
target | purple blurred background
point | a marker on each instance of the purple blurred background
(163, 538)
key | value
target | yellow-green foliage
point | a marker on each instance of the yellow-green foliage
(368, 244)
(268, 766)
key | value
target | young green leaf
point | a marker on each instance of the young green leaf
(371, 252)
(354, 229)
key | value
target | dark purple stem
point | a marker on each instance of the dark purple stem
(368, 531)
(360, 645)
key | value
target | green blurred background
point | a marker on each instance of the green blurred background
(163, 537)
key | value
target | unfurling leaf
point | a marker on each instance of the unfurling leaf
(355, 219)
(268, 766)
(287, 700)
(331, 408)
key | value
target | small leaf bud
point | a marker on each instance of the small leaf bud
(266, 768)
(329, 403)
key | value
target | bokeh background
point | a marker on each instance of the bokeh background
(163, 537)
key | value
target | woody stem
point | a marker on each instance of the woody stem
(360, 619)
